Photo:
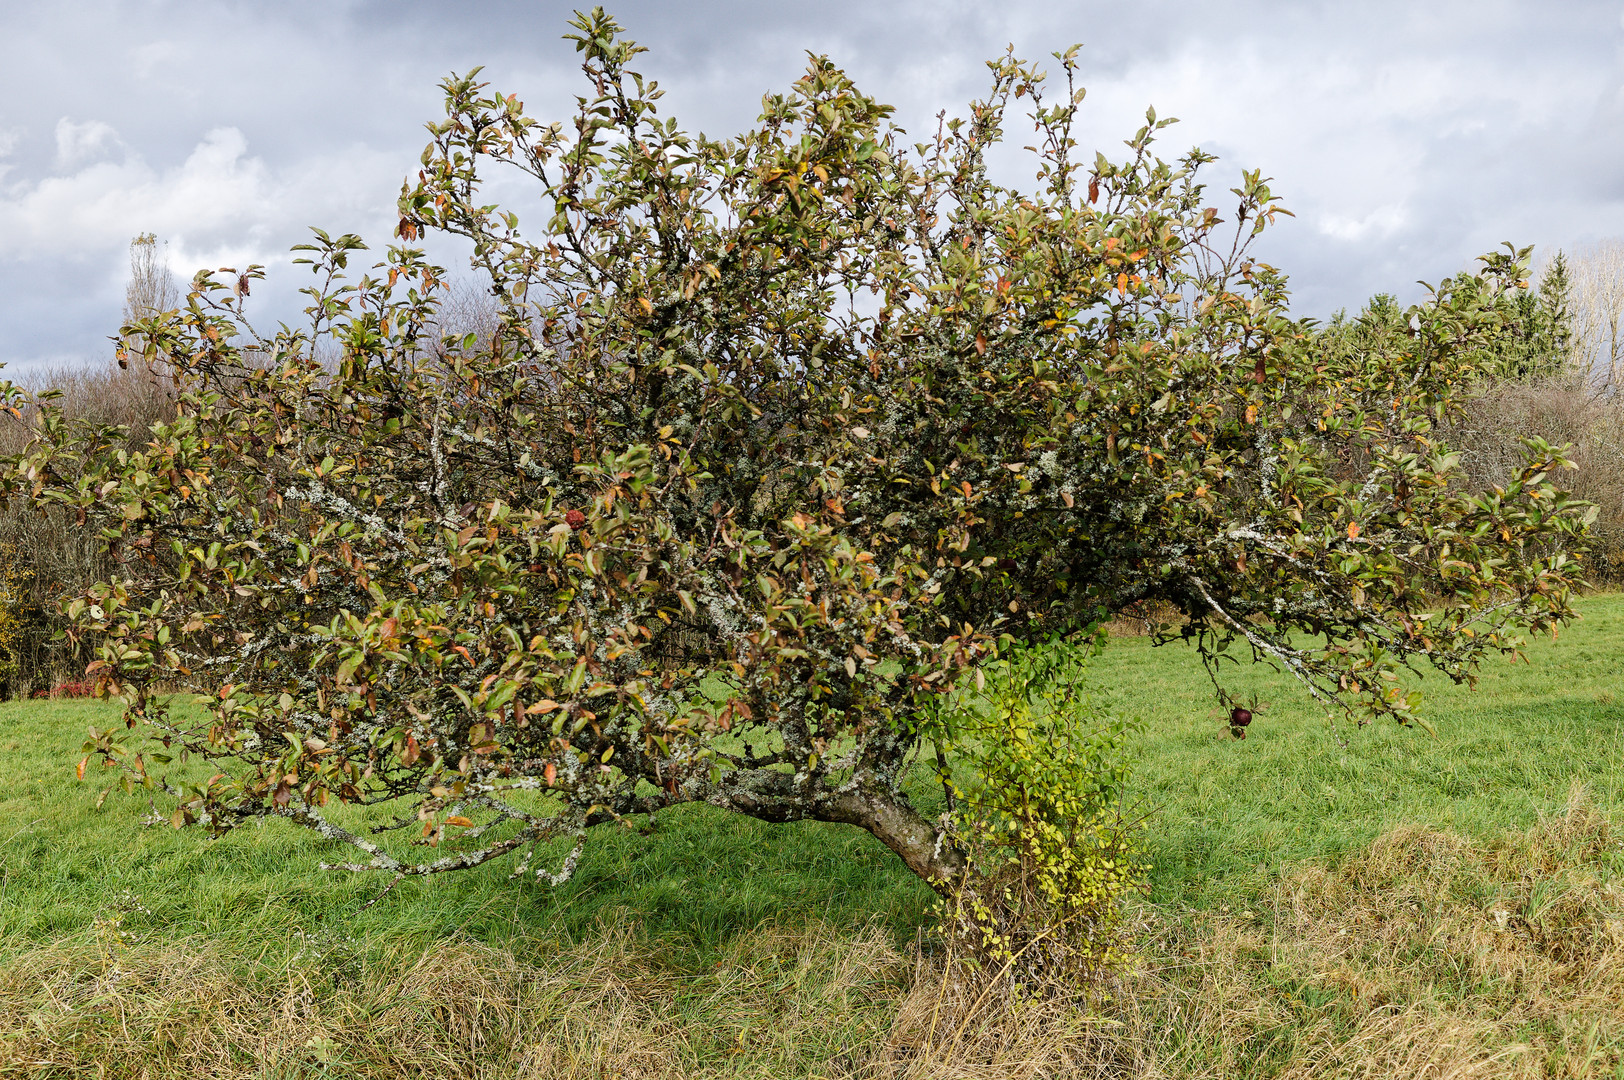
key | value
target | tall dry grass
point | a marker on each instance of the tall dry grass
(455, 1009)
(1424, 955)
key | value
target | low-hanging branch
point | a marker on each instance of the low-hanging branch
(776, 442)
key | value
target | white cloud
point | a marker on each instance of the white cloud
(151, 57)
(1407, 137)
(1382, 222)
(65, 258)
(8, 143)
(219, 202)
(79, 143)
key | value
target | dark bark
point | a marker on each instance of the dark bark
(773, 796)
(927, 850)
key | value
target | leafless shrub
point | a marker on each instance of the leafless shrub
(1560, 410)
(58, 556)
(470, 308)
(1145, 619)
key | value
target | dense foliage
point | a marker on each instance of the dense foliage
(1535, 341)
(779, 440)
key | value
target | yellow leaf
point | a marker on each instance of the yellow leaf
(458, 820)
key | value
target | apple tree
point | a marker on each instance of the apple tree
(781, 445)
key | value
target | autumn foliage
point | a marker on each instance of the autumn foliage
(779, 447)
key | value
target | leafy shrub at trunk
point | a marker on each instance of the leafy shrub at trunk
(1037, 807)
(776, 442)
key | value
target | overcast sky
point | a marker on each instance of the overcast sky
(1407, 137)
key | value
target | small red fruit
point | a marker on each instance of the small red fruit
(1240, 717)
(575, 519)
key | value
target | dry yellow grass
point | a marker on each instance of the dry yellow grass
(1422, 956)
(457, 1009)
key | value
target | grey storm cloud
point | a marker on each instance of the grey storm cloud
(1408, 138)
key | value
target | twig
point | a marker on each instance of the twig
(398, 879)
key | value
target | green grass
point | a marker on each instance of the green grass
(707, 896)
(1227, 816)
(1224, 817)
(694, 881)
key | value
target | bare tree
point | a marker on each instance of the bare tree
(470, 308)
(151, 289)
(1597, 310)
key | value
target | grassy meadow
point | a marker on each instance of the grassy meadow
(1325, 900)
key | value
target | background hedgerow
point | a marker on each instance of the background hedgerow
(51, 557)
(1553, 375)
(13, 617)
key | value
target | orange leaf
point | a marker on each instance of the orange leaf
(81, 769)
(1122, 284)
(1353, 530)
(981, 344)
(459, 821)
(1251, 414)
(551, 773)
